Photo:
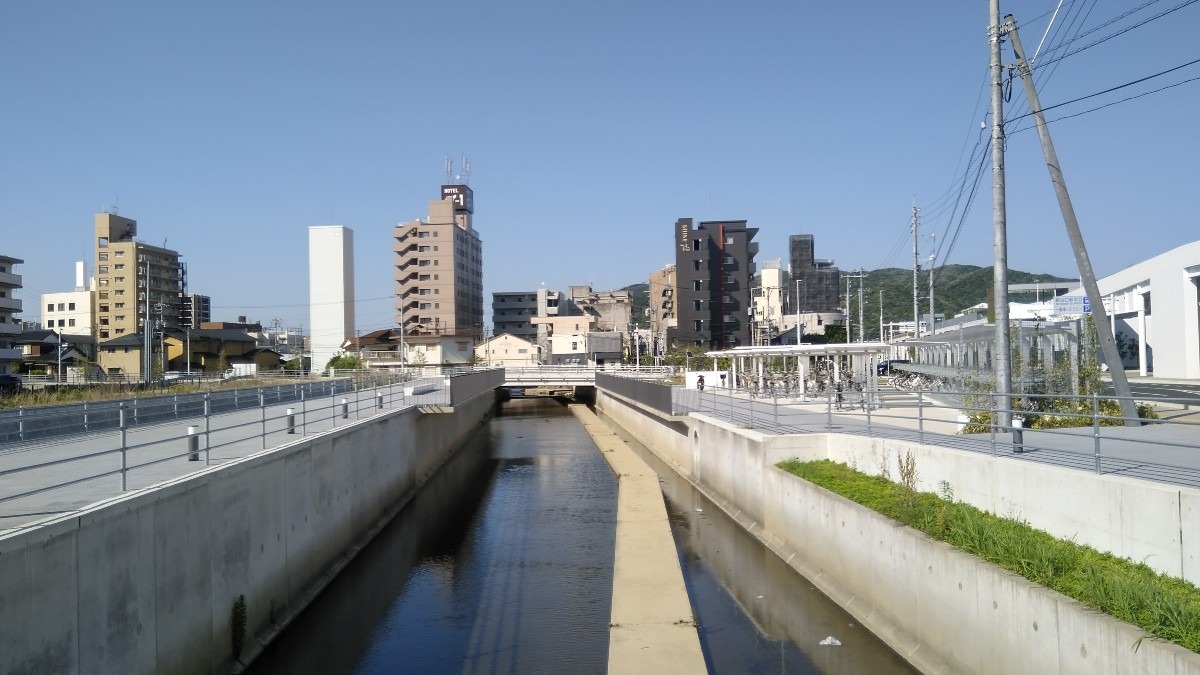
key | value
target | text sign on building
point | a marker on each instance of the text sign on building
(1072, 304)
(462, 196)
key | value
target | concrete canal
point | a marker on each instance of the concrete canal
(503, 563)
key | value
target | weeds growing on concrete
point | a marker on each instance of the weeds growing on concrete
(1163, 606)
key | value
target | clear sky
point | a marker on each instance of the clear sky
(227, 128)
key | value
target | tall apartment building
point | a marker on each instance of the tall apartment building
(194, 309)
(10, 326)
(662, 306)
(511, 313)
(132, 278)
(330, 291)
(613, 310)
(439, 269)
(714, 267)
(768, 302)
(820, 280)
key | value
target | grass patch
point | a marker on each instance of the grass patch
(1163, 606)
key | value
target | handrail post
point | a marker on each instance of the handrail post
(921, 417)
(262, 406)
(207, 429)
(1096, 426)
(992, 420)
(124, 448)
(829, 409)
(303, 412)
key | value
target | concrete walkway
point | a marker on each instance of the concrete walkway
(1166, 451)
(652, 629)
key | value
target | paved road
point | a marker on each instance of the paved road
(89, 467)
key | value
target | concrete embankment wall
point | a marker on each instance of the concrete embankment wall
(146, 583)
(944, 610)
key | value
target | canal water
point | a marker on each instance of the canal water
(755, 613)
(503, 564)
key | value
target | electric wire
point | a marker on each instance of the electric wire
(1112, 103)
(1111, 89)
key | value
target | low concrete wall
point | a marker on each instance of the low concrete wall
(146, 582)
(944, 610)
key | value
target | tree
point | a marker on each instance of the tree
(341, 361)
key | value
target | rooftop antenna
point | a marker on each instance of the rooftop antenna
(449, 170)
(465, 165)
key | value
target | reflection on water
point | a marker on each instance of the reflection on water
(503, 563)
(757, 614)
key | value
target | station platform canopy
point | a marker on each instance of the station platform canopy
(833, 349)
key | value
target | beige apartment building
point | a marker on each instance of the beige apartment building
(130, 273)
(662, 304)
(439, 270)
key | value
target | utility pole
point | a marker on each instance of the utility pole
(862, 323)
(881, 315)
(1108, 344)
(849, 319)
(916, 225)
(1000, 354)
(932, 316)
(147, 336)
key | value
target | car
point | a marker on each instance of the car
(10, 384)
(885, 366)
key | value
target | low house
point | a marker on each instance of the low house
(215, 350)
(507, 351)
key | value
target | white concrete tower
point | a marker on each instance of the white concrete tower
(330, 290)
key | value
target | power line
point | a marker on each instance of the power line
(1106, 105)
(1112, 89)
(1120, 32)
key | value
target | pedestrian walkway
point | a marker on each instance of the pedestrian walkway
(50, 477)
(1167, 450)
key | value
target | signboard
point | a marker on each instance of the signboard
(1072, 304)
(463, 198)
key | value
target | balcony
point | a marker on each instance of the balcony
(10, 279)
(10, 354)
(10, 304)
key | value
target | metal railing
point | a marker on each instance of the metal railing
(156, 439)
(1163, 449)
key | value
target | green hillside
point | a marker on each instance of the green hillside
(956, 287)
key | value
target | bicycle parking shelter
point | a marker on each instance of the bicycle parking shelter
(855, 362)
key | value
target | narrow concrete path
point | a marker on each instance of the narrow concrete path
(652, 629)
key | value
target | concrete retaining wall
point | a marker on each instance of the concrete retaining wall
(146, 583)
(944, 610)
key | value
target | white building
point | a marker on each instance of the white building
(10, 326)
(507, 351)
(71, 312)
(1157, 303)
(330, 290)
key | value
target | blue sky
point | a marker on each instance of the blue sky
(227, 128)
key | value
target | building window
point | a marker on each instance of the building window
(104, 336)
(699, 325)
(49, 306)
(696, 265)
(119, 266)
(71, 306)
(696, 285)
(61, 306)
(698, 305)
(695, 244)
(102, 256)
(71, 322)
(102, 242)
(422, 249)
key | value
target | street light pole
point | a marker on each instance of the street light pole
(799, 335)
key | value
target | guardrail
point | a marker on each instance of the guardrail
(552, 374)
(143, 434)
(1163, 449)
